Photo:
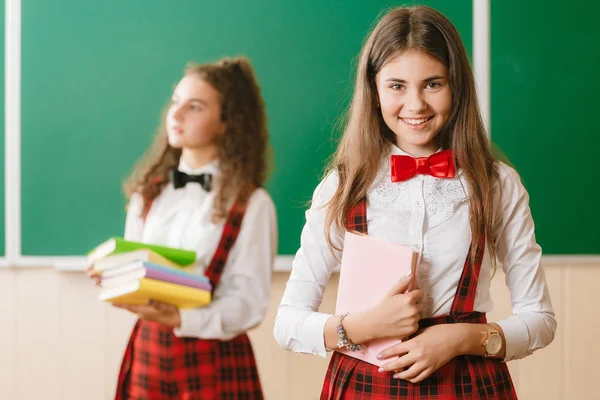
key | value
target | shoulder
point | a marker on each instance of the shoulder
(506, 172)
(325, 190)
(260, 197)
(509, 189)
(260, 202)
(136, 202)
(508, 177)
(260, 215)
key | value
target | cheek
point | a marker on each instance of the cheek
(442, 104)
(205, 126)
(169, 116)
(389, 104)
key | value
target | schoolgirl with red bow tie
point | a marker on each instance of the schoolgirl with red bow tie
(202, 189)
(414, 167)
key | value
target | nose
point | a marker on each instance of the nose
(415, 102)
(177, 112)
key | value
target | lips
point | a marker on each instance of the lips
(416, 121)
(177, 130)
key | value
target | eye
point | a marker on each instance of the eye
(434, 85)
(195, 107)
(396, 86)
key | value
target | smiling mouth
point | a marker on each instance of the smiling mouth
(416, 121)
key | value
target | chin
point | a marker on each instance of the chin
(412, 141)
(176, 144)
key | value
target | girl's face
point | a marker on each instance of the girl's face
(194, 116)
(415, 100)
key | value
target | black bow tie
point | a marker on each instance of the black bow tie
(180, 179)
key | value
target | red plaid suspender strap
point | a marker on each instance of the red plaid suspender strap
(228, 238)
(357, 217)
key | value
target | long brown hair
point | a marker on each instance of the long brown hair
(242, 150)
(366, 137)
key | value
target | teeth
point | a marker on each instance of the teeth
(415, 121)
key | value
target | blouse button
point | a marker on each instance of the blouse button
(418, 204)
(315, 352)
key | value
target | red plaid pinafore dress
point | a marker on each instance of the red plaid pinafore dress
(158, 365)
(464, 377)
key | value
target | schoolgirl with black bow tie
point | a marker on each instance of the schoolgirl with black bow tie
(201, 188)
(414, 167)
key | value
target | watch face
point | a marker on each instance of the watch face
(494, 344)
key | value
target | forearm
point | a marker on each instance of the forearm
(239, 303)
(223, 319)
(469, 339)
(358, 326)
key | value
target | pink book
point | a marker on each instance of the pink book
(144, 269)
(370, 267)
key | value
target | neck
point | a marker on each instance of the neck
(198, 157)
(419, 150)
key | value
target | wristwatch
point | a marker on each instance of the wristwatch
(493, 341)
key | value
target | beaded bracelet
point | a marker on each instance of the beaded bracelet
(345, 340)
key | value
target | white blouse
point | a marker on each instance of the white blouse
(181, 218)
(431, 215)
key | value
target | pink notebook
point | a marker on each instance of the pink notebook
(369, 268)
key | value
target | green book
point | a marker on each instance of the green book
(117, 245)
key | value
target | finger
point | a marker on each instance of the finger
(422, 376)
(416, 296)
(168, 308)
(147, 310)
(162, 307)
(126, 307)
(395, 350)
(130, 308)
(399, 364)
(415, 370)
(412, 311)
(138, 309)
(400, 286)
(94, 274)
(419, 308)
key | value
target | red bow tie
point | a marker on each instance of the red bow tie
(440, 165)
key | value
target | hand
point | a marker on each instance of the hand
(93, 275)
(156, 311)
(423, 354)
(398, 313)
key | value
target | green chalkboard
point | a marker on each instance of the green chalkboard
(544, 104)
(93, 89)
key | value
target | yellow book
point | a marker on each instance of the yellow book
(140, 291)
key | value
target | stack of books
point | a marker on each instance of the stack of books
(135, 273)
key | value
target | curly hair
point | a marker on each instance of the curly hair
(242, 150)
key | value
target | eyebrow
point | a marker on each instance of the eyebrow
(427, 80)
(192, 100)
(197, 101)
